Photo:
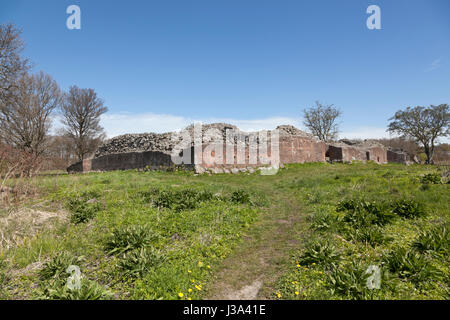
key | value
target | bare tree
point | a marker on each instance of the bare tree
(26, 119)
(81, 113)
(422, 124)
(321, 121)
(12, 65)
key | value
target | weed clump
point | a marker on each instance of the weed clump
(408, 209)
(321, 252)
(240, 196)
(323, 221)
(90, 290)
(129, 238)
(83, 207)
(364, 213)
(181, 200)
(372, 236)
(434, 240)
(139, 262)
(431, 178)
(410, 265)
(348, 280)
(57, 266)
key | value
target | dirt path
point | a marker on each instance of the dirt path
(252, 270)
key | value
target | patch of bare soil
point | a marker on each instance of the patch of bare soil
(252, 270)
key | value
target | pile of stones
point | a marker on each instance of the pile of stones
(166, 142)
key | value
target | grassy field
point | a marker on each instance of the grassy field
(309, 232)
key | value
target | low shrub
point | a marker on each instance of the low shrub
(129, 238)
(408, 209)
(138, 262)
(321, 252)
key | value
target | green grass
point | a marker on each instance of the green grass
(378, 216)
(309, 232)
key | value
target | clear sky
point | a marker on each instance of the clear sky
(161, 64)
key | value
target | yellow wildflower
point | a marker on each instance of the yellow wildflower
(181, 295)
(189, 290)
(296, 293)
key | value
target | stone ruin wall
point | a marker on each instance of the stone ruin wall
(348, 151)
(154, 151)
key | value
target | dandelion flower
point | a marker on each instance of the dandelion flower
(296, 293)
(278, 295)
(181, 295)
(189, 290)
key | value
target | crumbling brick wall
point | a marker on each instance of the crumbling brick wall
(349, 154)
(124, 161)
(378, 154)
(397, 157)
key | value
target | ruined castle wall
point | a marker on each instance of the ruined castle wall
(124, 161)
(294, 149)
(334, 153)
(378, 154)
(349, 154)
(397, 157)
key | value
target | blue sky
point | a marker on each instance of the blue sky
(160, 65)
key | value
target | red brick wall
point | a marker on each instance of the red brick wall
(378, 154)
(349, 154)
(291, 150)
(398, 157)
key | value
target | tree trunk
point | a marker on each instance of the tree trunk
(429, 154)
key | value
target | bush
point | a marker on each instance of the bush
(408, 209)
(129, 238)
(436, 239)
(138, 262)
(431, 178)
(240, 196)
(57, 266)
(410, 265)
(90, 290)
(321, 252)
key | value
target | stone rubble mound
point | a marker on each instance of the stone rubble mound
(356, 143)
(166, 142)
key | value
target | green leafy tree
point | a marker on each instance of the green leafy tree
(423, 124)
